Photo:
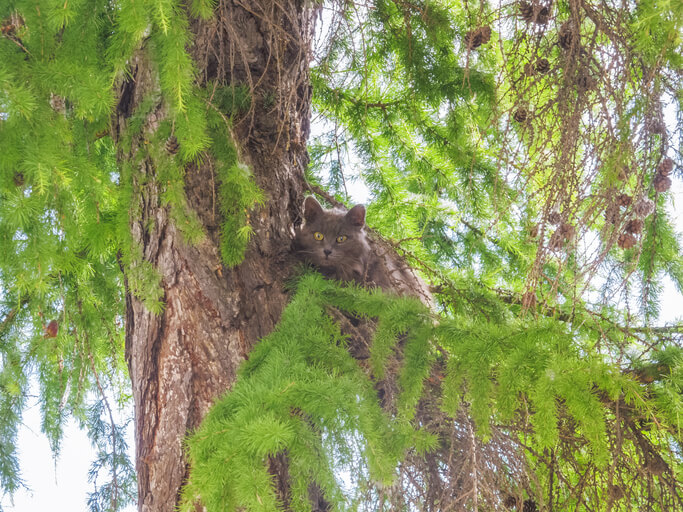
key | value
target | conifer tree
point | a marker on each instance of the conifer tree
(154, 156)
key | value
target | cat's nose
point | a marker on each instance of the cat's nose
(327, 252)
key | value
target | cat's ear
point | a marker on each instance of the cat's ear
(312, 209)
(356, 216)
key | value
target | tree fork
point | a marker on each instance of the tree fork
(183, 358)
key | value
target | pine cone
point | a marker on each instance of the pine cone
(626, 241)
(529, 506)
(485, 32)
(534, 13)
(643, 207)
(526, 11)
(542, 66)
(533, 231)
(10, 26)
(634, 226)
(612, 214)
(520, 115)
(472, 40)
(564, 234)
(556, 241)
(567, 231)
(665, 167)
(172, 145)
(476, 38)
(656, 465)
(656, 126)
(19, 179)
(585, 80)
(510, 502)
(616, 492)
(661, 183)
(52, 329)
(542, 15)
(624, 200)
(554, 217)
(565, 35)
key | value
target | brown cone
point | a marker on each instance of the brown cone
(526, 11)
(634, 226)
(534, 13)
(567, 231)
(565, 35)
(542, 66)
(52, 329)
(585, 80)
(612, 214)
(661, 183)
(172, 145)
(643, 207)
(19, 179)
(626, 241)
(624, 200)
(520, 115)
(616, 492)
(656, 126)
(475, 38)
(665, 167)
(533, 231)
(485, 34)
(554, 217)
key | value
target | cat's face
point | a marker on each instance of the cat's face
(334, 241)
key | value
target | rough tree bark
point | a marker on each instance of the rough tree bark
(181, 360)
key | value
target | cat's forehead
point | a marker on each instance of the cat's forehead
(329, 219)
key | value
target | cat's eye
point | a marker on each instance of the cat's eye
(341, 238)
(318, 235)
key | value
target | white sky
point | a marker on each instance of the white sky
(60, 485)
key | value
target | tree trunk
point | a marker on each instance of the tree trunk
(182, 359)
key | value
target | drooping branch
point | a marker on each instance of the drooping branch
(6, 323)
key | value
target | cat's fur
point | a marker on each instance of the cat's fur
(344, 261)
(353, 259)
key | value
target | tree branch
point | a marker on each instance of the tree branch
(329, 198)
(7, 321)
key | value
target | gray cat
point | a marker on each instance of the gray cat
(335, 242)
